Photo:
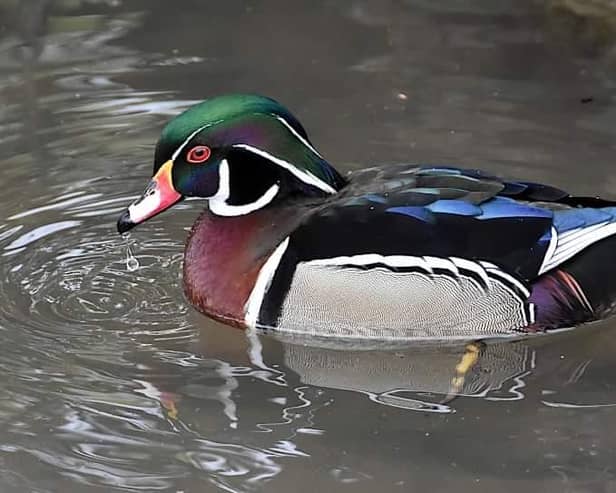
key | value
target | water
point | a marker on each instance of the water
(112, 383)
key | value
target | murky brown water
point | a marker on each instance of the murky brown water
(110, 382)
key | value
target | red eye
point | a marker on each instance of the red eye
(198, 154)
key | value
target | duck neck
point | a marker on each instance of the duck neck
(224, 256)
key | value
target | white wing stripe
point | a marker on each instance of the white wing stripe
(554, 239)
(574, 242)
(571, 237)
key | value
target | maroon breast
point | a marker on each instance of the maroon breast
(223, 258)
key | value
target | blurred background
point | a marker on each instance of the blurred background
(110, 382)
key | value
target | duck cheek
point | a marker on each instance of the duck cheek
(202, 185)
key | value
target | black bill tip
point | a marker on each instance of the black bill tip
(124, 222)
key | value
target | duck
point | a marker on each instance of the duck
(399, 252)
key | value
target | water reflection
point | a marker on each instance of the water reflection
(406, 377)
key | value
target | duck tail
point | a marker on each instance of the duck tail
(559, 301)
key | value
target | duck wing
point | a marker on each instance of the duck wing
(449, 252)
(525, 228)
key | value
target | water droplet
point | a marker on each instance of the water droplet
(132, 264)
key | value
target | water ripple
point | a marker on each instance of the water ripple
(69, 292)
(69, 273)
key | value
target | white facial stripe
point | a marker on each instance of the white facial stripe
(304, 176)
(224, 186)
(264, 280)
(142, 208)
(218, 202)
(297, 136)
(189, 138)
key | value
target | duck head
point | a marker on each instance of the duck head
(240, 152)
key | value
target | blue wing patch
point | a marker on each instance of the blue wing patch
(458, 207)
(504, 207)
(418, 212)
(566, 220)
(498, 207)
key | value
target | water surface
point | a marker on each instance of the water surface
(112, 383)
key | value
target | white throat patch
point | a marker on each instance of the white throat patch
(218, 202)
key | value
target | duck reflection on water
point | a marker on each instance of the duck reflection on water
(426, 378)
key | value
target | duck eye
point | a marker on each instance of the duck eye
(198, 154)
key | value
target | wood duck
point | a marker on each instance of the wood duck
(399, 252)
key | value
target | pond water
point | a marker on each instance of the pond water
(111, 382)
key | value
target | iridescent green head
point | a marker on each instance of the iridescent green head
(242, 152)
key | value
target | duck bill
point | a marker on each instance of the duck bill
(158, 196)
